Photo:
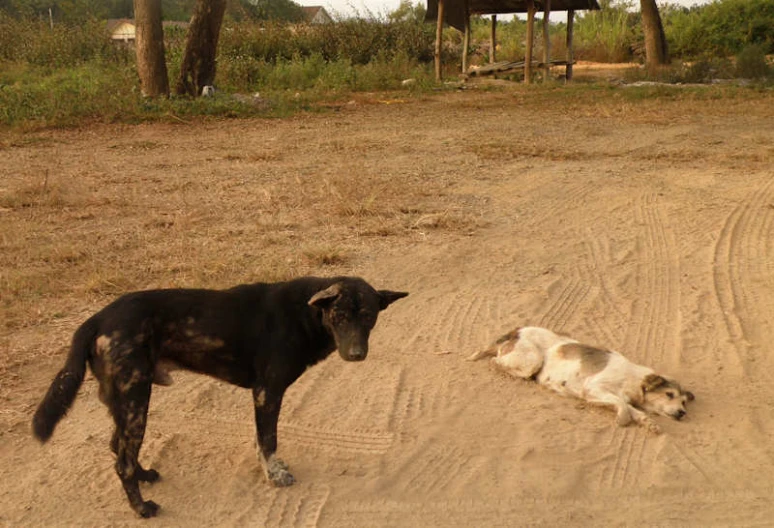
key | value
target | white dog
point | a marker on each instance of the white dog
(592, 374)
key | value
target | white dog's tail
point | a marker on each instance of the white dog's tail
(491, 351)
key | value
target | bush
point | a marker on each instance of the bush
(607, 35)
(751, 62)
(35, 42)
(705, 70)
(721, 28)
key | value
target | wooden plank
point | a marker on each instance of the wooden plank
(506, 67)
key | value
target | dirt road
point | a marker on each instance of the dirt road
(639, 224)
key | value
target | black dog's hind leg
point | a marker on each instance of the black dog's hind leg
(267, 407)
(143, 475)
(130, 413)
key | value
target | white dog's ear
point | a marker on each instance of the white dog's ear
(653, 382)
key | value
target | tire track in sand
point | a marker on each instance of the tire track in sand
(299, 507)
(425, 461)
(362, 441)
(740, 269)
(565, 296)
(652, 335)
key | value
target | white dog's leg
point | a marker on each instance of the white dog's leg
(626, 414)
(644, 420)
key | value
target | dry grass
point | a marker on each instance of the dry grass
(73, 242)
(88, 215)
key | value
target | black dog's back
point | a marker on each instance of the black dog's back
(259, 336)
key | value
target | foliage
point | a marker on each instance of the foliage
(751, 62)
(74, 11)
(357, 40)
(60, 76)
(607, 35)
(721, 28)
(51, 76)
(63, 45)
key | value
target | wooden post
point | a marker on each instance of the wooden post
(530, 38)
(570, 54)
(438, 37)
(546, 42)
(493, 40)
(466, 40)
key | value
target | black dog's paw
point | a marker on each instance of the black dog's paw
(281, 478)
(148, 475)
(278, 473)
(148, 509)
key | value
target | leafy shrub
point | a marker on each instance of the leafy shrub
(607, 35)
(37, 43)
(705, 70)
(751, 62)
(720, 28)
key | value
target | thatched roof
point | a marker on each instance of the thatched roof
(454, 10)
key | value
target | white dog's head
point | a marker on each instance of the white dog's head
(664, 396)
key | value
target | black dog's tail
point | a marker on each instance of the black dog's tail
(64, 388)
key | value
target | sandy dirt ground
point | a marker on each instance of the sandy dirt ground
(639, 224)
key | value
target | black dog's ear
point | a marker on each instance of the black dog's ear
(323, 298)
(653, 382)
(690, 396)
(387, 297)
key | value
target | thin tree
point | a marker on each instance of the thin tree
(149, 43)
(197, 69)
(656, 53)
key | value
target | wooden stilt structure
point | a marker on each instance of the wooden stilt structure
(438, 38)
(493, 40)
(457, 14)
(546, 42)
(466, 39)
(530, 39)
(570, 52)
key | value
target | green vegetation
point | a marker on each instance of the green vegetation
(63, 73)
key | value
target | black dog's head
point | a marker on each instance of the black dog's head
(349, 310)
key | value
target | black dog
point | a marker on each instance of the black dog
(259, 336)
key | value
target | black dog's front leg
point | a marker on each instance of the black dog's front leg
(267, 409)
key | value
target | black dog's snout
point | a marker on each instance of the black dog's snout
(357, 355)
(353, 353)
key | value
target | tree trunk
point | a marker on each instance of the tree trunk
(655, 42)
(149, 43)
(197, 69)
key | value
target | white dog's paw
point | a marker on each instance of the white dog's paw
(652, 427)
(623, 417)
